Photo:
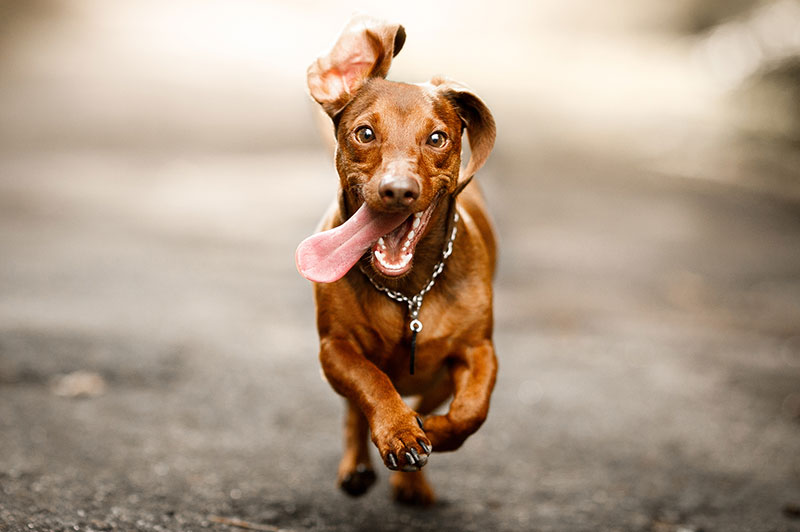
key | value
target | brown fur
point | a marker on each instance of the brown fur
(365, 336)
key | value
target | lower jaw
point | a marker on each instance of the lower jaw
(392, 270)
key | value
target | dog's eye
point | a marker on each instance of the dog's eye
(437, 139)
(365, 134)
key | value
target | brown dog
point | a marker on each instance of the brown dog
(424, 249)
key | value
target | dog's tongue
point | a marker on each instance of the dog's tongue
(327, 256)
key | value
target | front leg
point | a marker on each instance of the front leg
(396, 429)
(473, 373)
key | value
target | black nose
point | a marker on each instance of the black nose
(398, 190)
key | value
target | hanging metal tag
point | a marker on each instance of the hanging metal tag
(416, 326)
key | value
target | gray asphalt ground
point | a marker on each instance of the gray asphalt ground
(647, 325)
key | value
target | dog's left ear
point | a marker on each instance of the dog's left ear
(477, 120)
(364, 50)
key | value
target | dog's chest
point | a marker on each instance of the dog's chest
(386, 339)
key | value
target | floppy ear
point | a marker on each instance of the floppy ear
(477, 120)
(364, 50)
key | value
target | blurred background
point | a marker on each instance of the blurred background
(160, 161)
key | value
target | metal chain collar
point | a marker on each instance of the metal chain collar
(415, 303)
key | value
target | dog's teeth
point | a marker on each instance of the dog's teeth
(410, 234)
(383, 259)
(417, 215)
(416, 223)
(381, 242)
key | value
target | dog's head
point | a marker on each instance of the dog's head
(398, 145)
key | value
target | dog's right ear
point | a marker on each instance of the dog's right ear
(364, 50)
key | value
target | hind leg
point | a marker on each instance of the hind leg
(356, 475)
(413, 488)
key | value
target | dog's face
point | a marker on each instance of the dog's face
(398, 144)
(399, 131)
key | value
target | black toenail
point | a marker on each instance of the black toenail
(425, 446)
(392, 459)
(410, 459)
(419, 422)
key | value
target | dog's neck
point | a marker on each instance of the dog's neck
(427, 254)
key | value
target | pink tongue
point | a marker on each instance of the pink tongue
(327, 256)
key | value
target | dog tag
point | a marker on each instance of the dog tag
(413, 350)
(416, 326)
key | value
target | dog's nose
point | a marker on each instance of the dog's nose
(398, 190)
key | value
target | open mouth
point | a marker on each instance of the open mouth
(390, 239)
(393, 253)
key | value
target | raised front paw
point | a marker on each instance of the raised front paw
(447, 435)
(402, 443)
